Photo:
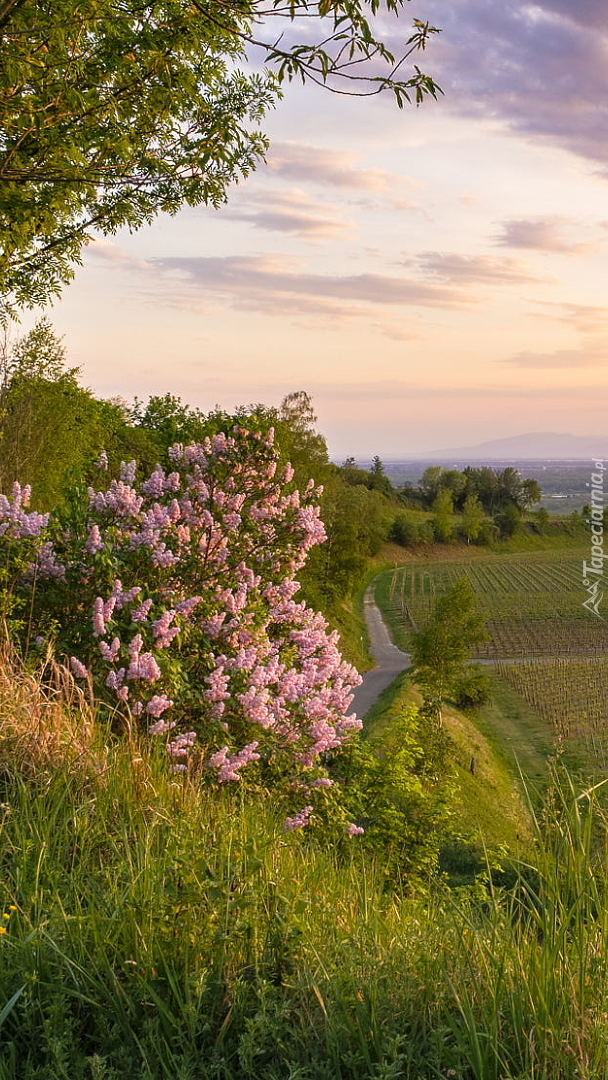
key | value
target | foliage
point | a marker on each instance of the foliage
(473, 689)
(397, 785)
(163, 935)
(509, 521)
(473, 518)
(441, 648)
(356, 523)
(50, 426)
(494, 489)
(443, 522)
(178, 594)
(112, 111)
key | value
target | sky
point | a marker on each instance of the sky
(433, 277)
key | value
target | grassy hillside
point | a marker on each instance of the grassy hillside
(154, 934)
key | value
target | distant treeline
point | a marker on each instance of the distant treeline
(52, 429)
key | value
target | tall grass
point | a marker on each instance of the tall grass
(163, 935)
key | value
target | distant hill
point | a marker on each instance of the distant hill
(533, 446)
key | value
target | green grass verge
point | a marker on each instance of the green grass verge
(160, 935)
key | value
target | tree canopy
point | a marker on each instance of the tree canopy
(112, 111)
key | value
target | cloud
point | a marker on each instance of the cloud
(290, 211)
(593, 355)
(268, 283)
(539, 67)
(109, 252)
(338, 169)
(469, 269)
(538, 234)
(586, 318)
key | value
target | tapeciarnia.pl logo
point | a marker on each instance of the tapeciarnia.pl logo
(593, 571)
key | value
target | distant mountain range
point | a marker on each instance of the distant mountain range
(533, 446)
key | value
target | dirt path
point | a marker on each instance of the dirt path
(390, 661)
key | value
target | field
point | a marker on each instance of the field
(546, 645)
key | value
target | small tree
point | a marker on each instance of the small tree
(509, 521)
(443, 519)
(441, 649)
(473, 517)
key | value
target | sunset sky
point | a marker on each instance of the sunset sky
(433, 277)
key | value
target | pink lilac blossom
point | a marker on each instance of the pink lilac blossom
(181, 745)
(298, 821)
(228, 765)
(99, 626)
(78, 669)
(186, 607)
(161, 727)
(140, 613)
(127, 471)
(115, 679)
(354, 830)
(144, 667)
(158, 704)
(46, 565)
(160, 626)
(109, 652)
(94, 542)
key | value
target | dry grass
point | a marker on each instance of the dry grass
(47, 721)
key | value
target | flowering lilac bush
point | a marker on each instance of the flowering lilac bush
(175, 597)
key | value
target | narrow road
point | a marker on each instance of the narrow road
(390, 661)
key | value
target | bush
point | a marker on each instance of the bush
(474, 689)
(176, 596)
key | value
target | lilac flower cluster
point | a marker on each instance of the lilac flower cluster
(206, 624)
(299, 820)
(17, 524)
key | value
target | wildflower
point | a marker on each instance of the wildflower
(99, 626)
(94, 542)
(158, 704)
(298, 821)
(161, 727)
(78, 669)
(354, 830)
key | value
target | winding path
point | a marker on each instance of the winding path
(390, 661)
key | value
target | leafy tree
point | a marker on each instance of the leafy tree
(530, 493)
(404, 530)
(443, 523)
(498, 489)
(543, 520)
(169, 421)
(473, 517)
(50, 426)
(440, 649)
(509, 521)
(112, 111)
(298, 439)
(431, 483)
(454, 482)
(379, 480)
(356, 525)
